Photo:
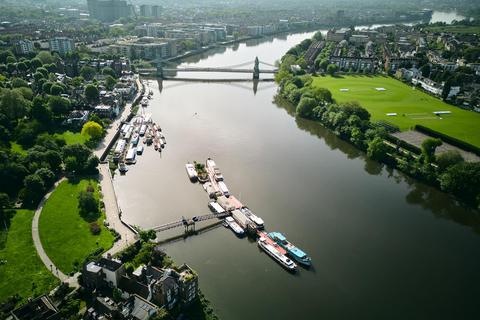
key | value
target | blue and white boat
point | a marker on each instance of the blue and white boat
(294, 252)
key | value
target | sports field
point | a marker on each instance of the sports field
(383, 95)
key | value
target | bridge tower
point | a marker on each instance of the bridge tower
(256, 70)
(159, 70)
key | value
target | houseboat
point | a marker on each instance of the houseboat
(192, 173)
(214, 171)
(230, 223)
(294, 252)
(135, 139)
(215, 207)
(243, 221)
(276, 254)
(223, 188)
(117, 153)
(143, 129)
(130, 158)
(250, 215)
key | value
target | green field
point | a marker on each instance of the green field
(455, 29)
(411, 105)
(65, 235)
(71, 137)
(23, 272)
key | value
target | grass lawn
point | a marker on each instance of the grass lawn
(23, 267)
(71, 137)
(65, 235)
(411, 105)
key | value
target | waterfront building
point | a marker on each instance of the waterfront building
(61, 45)
(338, 35)
(109, 10)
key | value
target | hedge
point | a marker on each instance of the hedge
(448, 139)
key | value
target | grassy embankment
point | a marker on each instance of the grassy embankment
(411, 105)
(65, 235)
(23, 272)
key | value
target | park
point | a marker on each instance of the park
(390, 100)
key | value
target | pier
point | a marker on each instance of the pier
(189, 224)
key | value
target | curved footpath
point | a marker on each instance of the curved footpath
(72, 281)
(112, 211)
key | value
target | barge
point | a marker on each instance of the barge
(292, 251)
(277, 255)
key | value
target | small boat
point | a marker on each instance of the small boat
(192, 173)
(250, 215)
(278, 256)
(234, 226)
(292, 251)
(122, 167)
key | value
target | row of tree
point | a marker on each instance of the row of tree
(351, 122)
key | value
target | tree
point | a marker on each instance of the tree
(58, 105)
(428, 148)
(18, 83)
(305, 107)
(109, 71)
(45, 57)
(22, 67)
(13, 104)
(4, 201)
(88, 205)
(463, 180)
(91, 93)
(47, 176)
(56, 90)
(34, 188)
(332, 69)
(425, 70)
(87, 73)
(93, 130)
(448, 159)
(323, 64)
(35, 63)
(71, 164)
(110, 82)
(377, 150)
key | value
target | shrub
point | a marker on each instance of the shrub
(95, 228)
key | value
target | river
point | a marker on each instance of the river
(383, 246)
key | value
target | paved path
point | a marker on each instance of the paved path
(72, 281)
(128, 237)
(112, 211)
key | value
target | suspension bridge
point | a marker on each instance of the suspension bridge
(163, 72)
(189, 224)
